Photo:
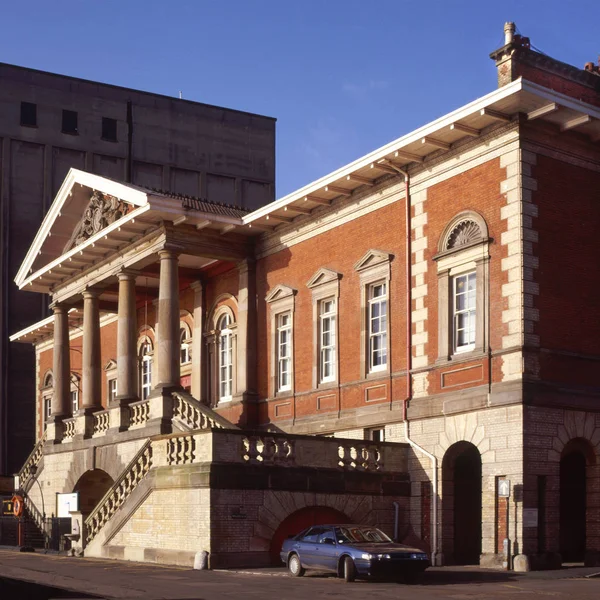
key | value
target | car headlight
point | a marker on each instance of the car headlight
(383, 556)
(366, 556)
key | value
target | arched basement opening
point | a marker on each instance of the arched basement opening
(574, 461)
(301, 519)
(461, 504)
(92, 486)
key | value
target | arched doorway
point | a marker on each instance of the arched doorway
(92, 486)
(575, 457)
(461, 504)
(301, 519)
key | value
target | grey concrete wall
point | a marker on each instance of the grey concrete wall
(176, 145)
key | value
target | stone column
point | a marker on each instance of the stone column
(168, 318)
(91, 380)
(197, 340)
(127, 375)
(246, 331)
(61, 400)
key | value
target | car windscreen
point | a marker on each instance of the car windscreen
(361, 535)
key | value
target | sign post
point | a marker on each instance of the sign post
(504, 492)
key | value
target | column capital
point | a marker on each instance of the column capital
(91, 293)
(127, 274)
(168, 254)
(59, 308)
(246, 265)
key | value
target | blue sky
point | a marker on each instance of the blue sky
(343, 77)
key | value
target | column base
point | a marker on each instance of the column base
(84, 422)
(55, 429)
(119, 414)
(161, 407)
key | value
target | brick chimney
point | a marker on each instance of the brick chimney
(516, 59)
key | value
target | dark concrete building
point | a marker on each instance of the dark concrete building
(50, 123)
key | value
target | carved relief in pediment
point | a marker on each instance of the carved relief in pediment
(101, 211)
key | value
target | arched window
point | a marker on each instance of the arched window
(146, 369)
(185, 349)
(225, 358)
(48, 381)
(463, 278)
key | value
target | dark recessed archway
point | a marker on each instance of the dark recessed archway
(576, 456)
(92, 486)
(461, 504)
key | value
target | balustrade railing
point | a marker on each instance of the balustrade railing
(101, 422)
(69, 431)
(139, 413)
(32, 462)
(120, 491)
(181, 450)
(360, 457)
(265, 449)
(196, 415)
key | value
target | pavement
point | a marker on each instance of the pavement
(118, 579)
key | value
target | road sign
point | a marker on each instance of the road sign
(504, 488)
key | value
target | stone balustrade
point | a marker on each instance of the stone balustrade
(101, 422)
(70, 429)
(139, 413)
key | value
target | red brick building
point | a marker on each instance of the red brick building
(439, 292)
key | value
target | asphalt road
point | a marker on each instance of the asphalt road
(112, 579)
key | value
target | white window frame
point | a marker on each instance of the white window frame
(381, 302)
(185, 355)
(146, 370)
(112, 389)
(284, 357)
(374, 270)
(225, 358)
(373, 432)
(470, 310)
(329, 317)
(74, 394)
(281, 301)
(47, 408)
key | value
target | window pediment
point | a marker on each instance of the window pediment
(110, 365)
(466, 229)
(373, 258)
(279, 292)
(323, 276)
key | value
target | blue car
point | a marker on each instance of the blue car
(352, 551)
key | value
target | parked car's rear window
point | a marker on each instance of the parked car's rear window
(354, 535)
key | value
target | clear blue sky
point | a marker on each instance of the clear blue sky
(343, 77)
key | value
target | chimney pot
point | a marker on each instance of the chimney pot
(509, 32)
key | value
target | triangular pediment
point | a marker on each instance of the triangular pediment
(85, 206)
(373, 258)
(323, 276)
(279, 292)
(110, 365)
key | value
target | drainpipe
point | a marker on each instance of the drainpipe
(414, 445)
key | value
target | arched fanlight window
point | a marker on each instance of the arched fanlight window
(225, 358)
(185, 348)
(146, 369)
(48, 380)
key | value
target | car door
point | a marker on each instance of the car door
(328, 551)
(308, 547)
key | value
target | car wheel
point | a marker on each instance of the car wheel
(349, 570)
(295, 566)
